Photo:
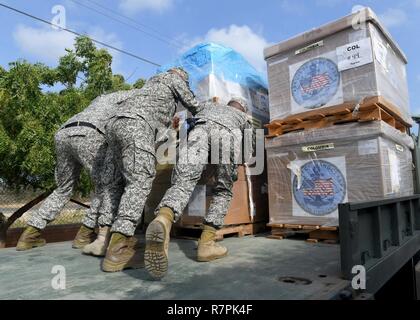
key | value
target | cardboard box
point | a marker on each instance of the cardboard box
(344, 61)
(239, 210)
(311, 172)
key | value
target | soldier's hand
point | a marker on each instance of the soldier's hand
(175, 122)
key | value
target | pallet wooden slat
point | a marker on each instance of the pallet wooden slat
(313, 233)
(239, 230)
(372, 109)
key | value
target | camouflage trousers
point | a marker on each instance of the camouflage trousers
(188, 172)
(78, 148)
(131, 148)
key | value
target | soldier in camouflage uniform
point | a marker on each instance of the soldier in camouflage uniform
(213, 123)
(80, 143)
(131, 135)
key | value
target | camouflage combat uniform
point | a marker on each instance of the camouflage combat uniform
(214, 122)
(80, 147)
(131, 135)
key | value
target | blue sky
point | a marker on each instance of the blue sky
(247, 26)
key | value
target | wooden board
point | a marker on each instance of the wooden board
(54, 233)
(302, 226)
(194, 231)
(310, 233)
(372, 109)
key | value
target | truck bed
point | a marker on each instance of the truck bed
(256, 268)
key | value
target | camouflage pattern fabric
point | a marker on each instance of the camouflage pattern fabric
(131, 148)
(157, 101)
(76, 148)
(131, 136)
(218, 124)
(102, 108)
(83, 147)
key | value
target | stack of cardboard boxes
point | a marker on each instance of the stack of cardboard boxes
(343, 63)
(220, 73)
(240, 211)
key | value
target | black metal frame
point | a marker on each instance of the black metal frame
(380, 235)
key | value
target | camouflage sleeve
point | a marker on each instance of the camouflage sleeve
(187, 97)
(250, 137)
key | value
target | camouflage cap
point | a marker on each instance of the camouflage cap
(181, 72)
(241, 101)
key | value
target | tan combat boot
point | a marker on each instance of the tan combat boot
(157, 243)
(123, 253)
(84, 236)
(30, 238)
(99, 246)
(208, 248)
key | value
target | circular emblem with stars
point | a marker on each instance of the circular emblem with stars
(315, 83)
(322, 188)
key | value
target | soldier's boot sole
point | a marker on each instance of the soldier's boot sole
(24, 246)
(136, 262)
(211, 258)
(155, 257)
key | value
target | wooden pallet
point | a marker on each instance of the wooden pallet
(194, 231)
(372, 109)
(53, 233)
(308, 232)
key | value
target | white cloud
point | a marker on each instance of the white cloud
(393, 17)
(134, 6)
(47, 44)
(240, 38)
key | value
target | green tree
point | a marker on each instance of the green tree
(31, 113)
(139, 83)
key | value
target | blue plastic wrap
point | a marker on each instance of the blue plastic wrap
(218, 71)
(224, 62)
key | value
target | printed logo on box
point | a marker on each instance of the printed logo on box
(319, 147)
(323, 187)
(315, 83)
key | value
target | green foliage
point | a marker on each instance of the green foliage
(30, 114)
(139, 83)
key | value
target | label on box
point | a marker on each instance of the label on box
(315, 83)
(367, 147)
(319, 187)
(355, 54)
(319, 147)
(197, 203)
(310, 47)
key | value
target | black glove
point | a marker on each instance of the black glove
(191, 124)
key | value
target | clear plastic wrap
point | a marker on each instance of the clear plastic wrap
(311, 172)
(218, 71)
(344, 61)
